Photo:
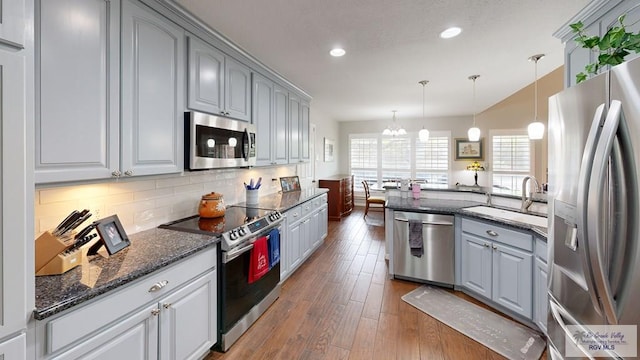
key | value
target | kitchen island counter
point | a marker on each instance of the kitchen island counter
(149, 251)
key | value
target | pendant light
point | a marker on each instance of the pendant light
(474, 132)
(423, 134)
(393, 129)
(536, 128)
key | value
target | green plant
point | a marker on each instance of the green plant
(611, 48)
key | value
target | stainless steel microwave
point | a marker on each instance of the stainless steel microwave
(214, 142)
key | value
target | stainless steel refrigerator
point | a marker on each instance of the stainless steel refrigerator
(594, 213)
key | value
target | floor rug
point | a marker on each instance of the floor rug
(506, 337)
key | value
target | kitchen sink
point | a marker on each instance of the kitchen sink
(510, 215)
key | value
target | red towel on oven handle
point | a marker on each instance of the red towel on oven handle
(259, 260)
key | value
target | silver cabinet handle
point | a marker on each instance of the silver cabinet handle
(116, 173)
(155, 312)
(166, 305)
(222, 112)
(492, 233)
(159, 285)
(486, 245)
(128, 173)
(495, 247)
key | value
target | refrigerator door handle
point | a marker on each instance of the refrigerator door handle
(595, 227)
(555, 312)
(584, 179)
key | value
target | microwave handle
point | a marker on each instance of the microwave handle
(246, 144)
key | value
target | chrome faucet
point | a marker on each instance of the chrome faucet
(534, 189)
(488, 198)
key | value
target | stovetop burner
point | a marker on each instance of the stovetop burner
(236, 226)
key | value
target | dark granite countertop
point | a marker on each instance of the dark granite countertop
(285, 201)
(453, 207)
(149, 251)
(538, 197)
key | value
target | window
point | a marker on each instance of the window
(512, 159)
(377, 158)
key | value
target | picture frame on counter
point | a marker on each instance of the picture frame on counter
(290, 183)
(112, 235)
(468, 150)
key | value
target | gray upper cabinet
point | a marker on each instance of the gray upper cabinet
(281, 117)
(294, 128)
(263, 119)
(304, 130)
(12, 14)
(77, 90)
(218, 84)
(153, 70)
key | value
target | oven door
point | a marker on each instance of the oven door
(237, 296)
(217, 142)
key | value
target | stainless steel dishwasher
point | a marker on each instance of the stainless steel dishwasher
(437, 262)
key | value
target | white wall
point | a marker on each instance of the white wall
(325, 128)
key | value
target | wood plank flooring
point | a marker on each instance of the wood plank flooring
(340, 304)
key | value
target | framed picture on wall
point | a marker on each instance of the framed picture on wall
(329, 144)
(468, 150)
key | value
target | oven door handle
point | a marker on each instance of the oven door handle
(230, 255)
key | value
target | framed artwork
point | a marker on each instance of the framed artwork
(468, 150)
(112, 235)
(289, 183)
(328, 149)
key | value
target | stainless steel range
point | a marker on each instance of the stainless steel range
(240, 303)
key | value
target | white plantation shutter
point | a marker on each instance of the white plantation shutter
(364, 159)
(396, 158)
(512, 154)
(432, 160)
(377, 158)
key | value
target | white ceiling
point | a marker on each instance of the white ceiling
(393, 44)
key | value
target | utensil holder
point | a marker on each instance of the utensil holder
(252, 196)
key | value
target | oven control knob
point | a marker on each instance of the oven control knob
(233, 235)
(241, 232)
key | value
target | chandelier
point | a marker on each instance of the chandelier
(394, 129)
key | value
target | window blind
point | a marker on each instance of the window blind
(511, 160)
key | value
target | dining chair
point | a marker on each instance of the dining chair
(372, 200)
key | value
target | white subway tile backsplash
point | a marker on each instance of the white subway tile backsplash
(144, 203)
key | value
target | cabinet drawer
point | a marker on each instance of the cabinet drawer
(294, 214)
(541, 249)
(498, 233)
(306, 208)
(80, 322)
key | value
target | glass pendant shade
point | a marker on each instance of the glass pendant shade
(386, 131)
(393, 129)
(423, 135)
(474, 134)
(535, 130)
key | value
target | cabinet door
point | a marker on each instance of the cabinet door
(513, 279)
(314, 229)
(14, 348)
(206, 77)
(541, 301)
(12, 26)
(476, 264)
(304, 131)
(306, 233)
(294, 129)
(263, 119)
(188, 320)
(237, 90)
(294, 238)
(281, 110)
(152, 92)
(16, 196)
(77, 92)
(134, 337)
(323, 221)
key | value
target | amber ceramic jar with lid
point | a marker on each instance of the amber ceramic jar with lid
(211, 205)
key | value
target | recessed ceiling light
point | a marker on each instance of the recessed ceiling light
(337, 52)
(450, 32)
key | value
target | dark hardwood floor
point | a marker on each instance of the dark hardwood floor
(340, 304)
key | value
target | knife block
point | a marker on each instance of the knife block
(50, 256)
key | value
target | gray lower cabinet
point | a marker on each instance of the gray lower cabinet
(305, 228)
(14, 348)
(540, 295)
(496, 263)
(218, 84)
(170, 314)
(153, 71)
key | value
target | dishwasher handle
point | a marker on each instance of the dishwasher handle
(445, 223)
